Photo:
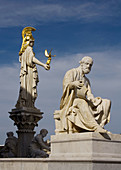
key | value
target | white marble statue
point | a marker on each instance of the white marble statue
(79, 109)
(28, 73)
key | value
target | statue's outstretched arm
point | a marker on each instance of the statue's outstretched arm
(36, 61)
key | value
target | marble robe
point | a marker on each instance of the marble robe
(78, 107)
(28, 79)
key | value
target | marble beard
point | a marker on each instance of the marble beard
(79, 109)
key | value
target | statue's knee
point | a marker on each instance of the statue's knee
(76, 101)
(79, 102)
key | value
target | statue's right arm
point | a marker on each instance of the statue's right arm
(33, 59)
(70, 82)
(36, 61)
(76, 84)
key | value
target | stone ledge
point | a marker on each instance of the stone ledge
(87, 151)
(86, 158)
(86, 136)
(89, 146)
(59, 164)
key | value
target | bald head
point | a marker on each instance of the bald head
(86, 64)
(86, 59)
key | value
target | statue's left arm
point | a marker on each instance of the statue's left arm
(89, 92)
(90, 97)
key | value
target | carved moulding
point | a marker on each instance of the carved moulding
(25, 119)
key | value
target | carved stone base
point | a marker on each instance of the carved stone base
(86, 146)
(25, 119)
(82, 151)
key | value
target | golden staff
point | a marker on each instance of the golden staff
(49, 57)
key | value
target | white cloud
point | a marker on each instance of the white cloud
(105, 79)
(20, 14)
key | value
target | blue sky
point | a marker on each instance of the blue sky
(73, 29)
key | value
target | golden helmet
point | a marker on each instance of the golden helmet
(27, 37)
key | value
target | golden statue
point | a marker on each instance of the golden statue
(28, 73)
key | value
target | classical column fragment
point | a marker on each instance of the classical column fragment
(25, 119)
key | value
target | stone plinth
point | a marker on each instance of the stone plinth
(86, 146)
(85, 151)
(25, 119)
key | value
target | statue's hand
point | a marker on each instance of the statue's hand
(46, 66)
(76, 84)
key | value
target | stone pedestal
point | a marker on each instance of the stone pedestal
(25, 119)
(85, 151)
(84, 146)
